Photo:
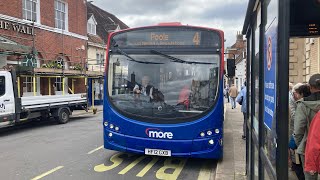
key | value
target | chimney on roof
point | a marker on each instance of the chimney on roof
(239, 36)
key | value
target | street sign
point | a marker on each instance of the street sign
(270, 83)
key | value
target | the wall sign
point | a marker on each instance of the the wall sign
(9, 26)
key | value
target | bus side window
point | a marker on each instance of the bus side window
(2, 85)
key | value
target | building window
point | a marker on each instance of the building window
(60, 63)
(28, 84)
(58, 84)
(91, 28)
(60, 15)
(100, 58)
(29, 60)
(31, 10)
(2, 85)
(91, 25)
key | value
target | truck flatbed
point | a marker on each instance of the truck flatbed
(32, 102)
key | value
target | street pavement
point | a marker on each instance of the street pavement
(234, 151)
(47, 150)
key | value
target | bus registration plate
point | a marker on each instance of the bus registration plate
(157, 152)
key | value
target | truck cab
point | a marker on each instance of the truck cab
(7, 98)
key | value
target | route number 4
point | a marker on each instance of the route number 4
(196, 38)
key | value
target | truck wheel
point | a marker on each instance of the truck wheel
(63, 116)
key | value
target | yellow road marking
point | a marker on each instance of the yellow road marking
(131, 165)
(116, 159)
(47, 173)
(97, 149)
(205, 171)
(161, 174)
(148, 166)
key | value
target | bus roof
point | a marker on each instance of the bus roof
(170, 24)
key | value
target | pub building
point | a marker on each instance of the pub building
(49, 39)
(268, 26)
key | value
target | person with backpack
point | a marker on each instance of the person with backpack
(306, 110)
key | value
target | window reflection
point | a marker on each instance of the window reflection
(155, 87)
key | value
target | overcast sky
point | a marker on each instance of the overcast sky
(227, 15)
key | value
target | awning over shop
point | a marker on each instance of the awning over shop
(9, 47)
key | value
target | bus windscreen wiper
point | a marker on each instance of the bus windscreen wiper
(132, 59)
(174, 59)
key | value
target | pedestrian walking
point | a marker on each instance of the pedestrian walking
(227, 92)
(233, 92)
(305, 112)
(242, 100)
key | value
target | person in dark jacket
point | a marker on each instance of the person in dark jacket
(145, 88)
(306, 110)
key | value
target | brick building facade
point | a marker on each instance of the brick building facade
(51, 36)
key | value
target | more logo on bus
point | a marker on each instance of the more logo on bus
(158, 133)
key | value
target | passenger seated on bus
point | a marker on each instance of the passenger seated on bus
(144, 88)
(184, 97)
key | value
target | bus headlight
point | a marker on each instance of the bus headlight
(211, 142)
(116, 128)
(110, 134)
(111, 126)
(106, 124)
(209, 133)
(202, 134)
(217, 131)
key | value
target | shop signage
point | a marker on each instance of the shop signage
(9, 26)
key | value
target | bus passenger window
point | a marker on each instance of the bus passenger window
(2, 85)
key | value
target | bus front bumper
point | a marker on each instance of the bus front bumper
(197, 148)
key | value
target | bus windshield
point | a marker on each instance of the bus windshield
(163, 88)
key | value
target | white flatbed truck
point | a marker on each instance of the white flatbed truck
(15, 109)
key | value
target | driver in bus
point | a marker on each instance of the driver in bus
(144, 88)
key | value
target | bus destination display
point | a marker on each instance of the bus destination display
(164, 38)
(149, 37)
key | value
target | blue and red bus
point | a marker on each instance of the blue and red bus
(164, 91)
